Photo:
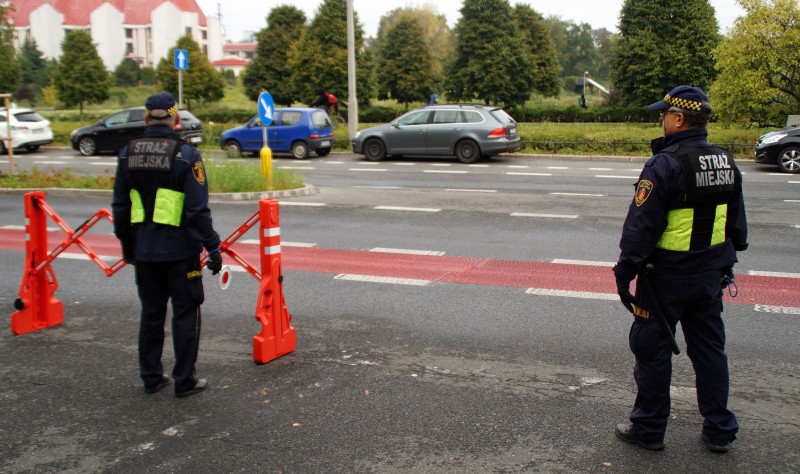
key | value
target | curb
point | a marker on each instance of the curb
(212, 197)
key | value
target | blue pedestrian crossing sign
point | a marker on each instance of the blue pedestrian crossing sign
(266, 108)
(181, 59)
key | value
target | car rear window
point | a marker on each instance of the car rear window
(320, 119)
(28, 117)
(502, 116)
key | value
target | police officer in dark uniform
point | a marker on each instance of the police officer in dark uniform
(163, 222)
(687, 220)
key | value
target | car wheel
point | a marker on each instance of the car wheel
(323, 151)
(87, 146)
(467, 151)
(789, 160)
(31, 148)
(374, 150)
(300, 150)
(232, 149)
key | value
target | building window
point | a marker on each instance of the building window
(205, 35)
(129, 33)
(189, 30)
(129, 49)
(205, 50)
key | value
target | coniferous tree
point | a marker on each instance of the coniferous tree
(32, 65)
(491, 62)
(536, 36)
(9, 71)
(319, 58)
(405, 69)
(269, 69)
(80, 76)
(127, 73)
(663, 44)
(759, 65)
(200, 82)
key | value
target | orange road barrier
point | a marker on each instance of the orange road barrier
(38, 308)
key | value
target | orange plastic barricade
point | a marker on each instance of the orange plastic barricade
(277, 336)
(37, 306)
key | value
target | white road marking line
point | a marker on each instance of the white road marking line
(473, 190)
(284, 243)
(557, 216)
(557, 167)
(479, 166)
(404, 164)
(777, 174)
(295, 203)
(104, 163)
(611, 176)
(377, 279)
(796, 226)
(516, 173)
(446, 171)
(578, 194)
(776, 309)
(62, 157)
(398, 208)
(791, 200)
(793, 182)
(369, 163)
(601, 169)
(516, 166)
(333, 162)
(49, 162)
(591, 263)
(379, 187)
(367, 169)
(773, 274)
(296, 167)
(407, 251)
(572, 294)
(441, 164)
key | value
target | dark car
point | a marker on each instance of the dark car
(115, 131)
(295, 130)
(468, 132)
(782, 148)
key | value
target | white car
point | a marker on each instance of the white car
(29, 130)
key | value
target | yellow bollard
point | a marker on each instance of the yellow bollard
(266, 164)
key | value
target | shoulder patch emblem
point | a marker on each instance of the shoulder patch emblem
(199, 172)
(643, 190)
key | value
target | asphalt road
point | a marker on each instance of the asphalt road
(392, 373)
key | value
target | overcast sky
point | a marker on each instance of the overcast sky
(240, 16)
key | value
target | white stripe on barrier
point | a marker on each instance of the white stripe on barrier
(272, 250)
(272, 232)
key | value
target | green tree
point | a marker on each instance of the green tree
(759, 65)
(319, 58)
(270, 66)
(80, 76)
(200, 82)
(663, 44)
(435, 33)
(575, 46)
(491, 62)
(605, 41)
(536, 36)
(9, 71)
(405, 69)
(127, 73)
(32, 65)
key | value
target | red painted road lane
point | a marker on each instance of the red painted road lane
(755, 290)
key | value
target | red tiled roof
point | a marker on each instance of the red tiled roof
(77, 12)
(239, 47)
(230, 62)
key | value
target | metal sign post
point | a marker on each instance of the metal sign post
(181, 60)
(266, 111)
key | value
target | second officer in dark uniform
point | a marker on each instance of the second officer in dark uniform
(687, 219)
(163, 222)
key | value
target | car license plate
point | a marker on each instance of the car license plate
(196, 139)
(512, 131)
(325, 143)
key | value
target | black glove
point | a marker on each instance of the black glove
(624, 292)
(727, 277)
(214, 262)
(129, 251)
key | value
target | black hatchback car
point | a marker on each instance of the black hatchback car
(782, 148)
(115, 131)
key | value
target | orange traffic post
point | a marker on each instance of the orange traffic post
(37, 307)
(277, 336)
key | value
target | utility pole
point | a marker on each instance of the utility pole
(352, 99)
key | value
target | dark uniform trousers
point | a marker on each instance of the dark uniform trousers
(182, 283)
(695, 301)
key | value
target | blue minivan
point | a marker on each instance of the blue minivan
(295, 130)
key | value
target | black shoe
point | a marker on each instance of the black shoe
(199, 386)
(163, 383)
(716, 446)
(624, 431)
